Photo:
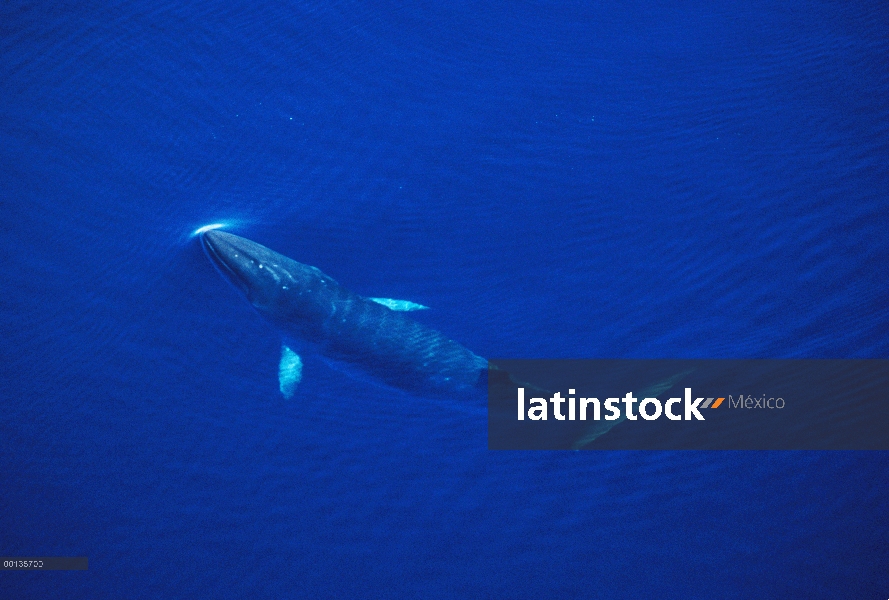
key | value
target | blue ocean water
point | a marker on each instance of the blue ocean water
(558, 180)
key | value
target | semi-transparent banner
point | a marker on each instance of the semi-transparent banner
(800, 404)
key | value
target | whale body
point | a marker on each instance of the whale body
(316, 314)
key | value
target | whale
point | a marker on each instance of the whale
(371, 337)
(375, 339)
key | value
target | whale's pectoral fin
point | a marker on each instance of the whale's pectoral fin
(290, 371)
(400, 305)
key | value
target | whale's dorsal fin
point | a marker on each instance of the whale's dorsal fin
(399, 305)
(290, 371)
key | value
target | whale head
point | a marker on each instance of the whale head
(261, 274)
(280, 288)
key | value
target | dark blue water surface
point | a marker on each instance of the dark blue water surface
(554, 179)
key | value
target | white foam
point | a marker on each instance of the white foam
(205, 228)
